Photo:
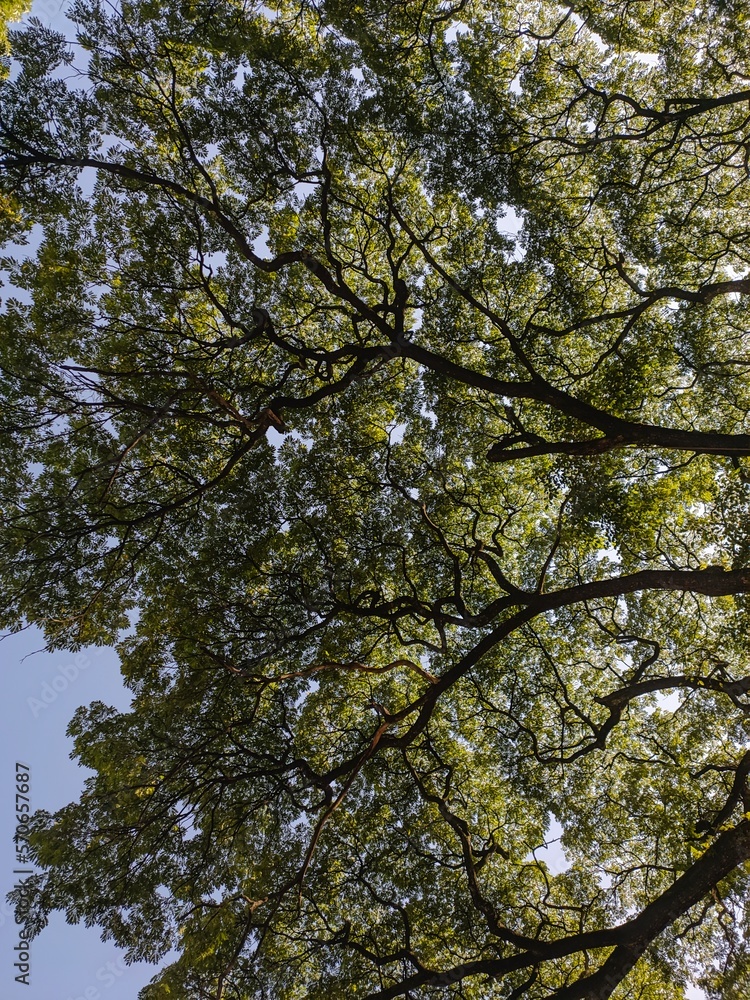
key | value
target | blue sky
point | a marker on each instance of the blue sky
(41, 693)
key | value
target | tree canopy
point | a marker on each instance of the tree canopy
(375, 377)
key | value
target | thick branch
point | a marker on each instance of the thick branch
(630, 940)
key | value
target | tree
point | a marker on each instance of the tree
(379, 386)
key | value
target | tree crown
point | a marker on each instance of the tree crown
(378, 382)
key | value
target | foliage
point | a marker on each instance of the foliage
(377, 381)
(10, 11)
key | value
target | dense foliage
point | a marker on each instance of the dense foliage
(376, 376)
